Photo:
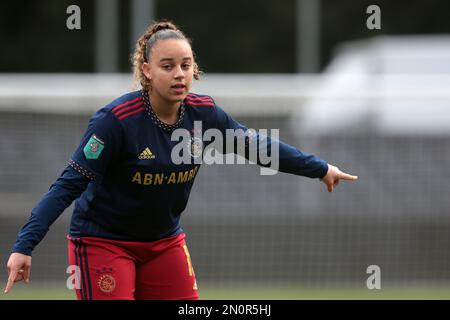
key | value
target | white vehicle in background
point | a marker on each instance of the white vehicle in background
(388, 84)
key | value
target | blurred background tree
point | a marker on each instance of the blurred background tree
(229, 36)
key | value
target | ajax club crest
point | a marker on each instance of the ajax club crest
(106, 281)
(195, 147)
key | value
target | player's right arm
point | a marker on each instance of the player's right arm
(98, 147)
(69, 186)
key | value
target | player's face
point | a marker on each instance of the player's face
(171, 69)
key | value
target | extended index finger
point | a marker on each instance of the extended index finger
(11, 278)
(346, 176)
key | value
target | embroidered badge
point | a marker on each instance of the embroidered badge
(195, 146)
(93, 147)
(107, 283)
(105, 280)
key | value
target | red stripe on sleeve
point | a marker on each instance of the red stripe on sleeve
(131, 113)
(201, 104)
(126, 109)
(191, 97)
(125, 104)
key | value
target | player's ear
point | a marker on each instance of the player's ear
(147, 70)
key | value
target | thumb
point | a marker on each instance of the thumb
(26, 274)
(330, 186)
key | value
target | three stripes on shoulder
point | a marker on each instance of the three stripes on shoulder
(136, 105)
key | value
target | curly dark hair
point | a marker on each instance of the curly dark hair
(158, 30)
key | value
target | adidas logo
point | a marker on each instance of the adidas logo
(146, 154)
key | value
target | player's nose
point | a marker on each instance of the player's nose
(179, 73)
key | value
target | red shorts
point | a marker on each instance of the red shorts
(110, 269)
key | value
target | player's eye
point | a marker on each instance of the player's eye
(186, 66)
(167, 67)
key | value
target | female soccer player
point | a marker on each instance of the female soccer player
(125, 238)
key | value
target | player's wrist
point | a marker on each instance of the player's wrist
(325, 170)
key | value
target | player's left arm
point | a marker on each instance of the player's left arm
(291, 159)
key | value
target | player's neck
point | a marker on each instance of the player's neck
(166, 111)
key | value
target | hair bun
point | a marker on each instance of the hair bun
(163, 25)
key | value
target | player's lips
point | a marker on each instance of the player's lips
(178, 88)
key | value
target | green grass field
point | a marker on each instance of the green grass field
(209, 292)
